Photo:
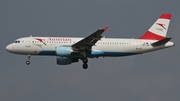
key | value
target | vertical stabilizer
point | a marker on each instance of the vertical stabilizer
(159, 29)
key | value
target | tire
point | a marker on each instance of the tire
(85, 60)
(27, 62)
(85, 66)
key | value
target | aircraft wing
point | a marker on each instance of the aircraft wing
(89, 41)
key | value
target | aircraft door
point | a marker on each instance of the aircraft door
(138, 45)
(28, 42)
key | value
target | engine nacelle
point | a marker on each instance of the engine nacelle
(65, 60)
(63, 51)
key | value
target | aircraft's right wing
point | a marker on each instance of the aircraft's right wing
(89, 41)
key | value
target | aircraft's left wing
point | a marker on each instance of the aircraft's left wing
(88, 42)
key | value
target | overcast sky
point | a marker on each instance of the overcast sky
(148, 77)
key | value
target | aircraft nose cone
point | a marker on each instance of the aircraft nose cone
(9, 48)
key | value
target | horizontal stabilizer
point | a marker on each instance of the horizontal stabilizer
(161, 42)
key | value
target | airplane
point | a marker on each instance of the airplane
(72, 49)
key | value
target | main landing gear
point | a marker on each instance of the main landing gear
(85, 61)
(28, 61)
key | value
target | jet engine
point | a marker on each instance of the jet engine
(65, 60)
(63, 51)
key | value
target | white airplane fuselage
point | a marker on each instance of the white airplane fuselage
(110, 47)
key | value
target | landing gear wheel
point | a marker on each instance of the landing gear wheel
(85, 66)
(27, 62)
(85, 60)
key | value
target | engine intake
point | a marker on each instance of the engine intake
(63, 51)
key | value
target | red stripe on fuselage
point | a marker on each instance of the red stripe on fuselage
(151, 36)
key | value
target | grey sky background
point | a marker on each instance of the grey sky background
(148, 77)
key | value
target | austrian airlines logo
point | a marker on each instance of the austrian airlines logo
(41, 40)
(162, 25)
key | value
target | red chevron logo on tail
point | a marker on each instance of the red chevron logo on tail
(162, 25)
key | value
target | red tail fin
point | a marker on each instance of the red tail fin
(159, 29)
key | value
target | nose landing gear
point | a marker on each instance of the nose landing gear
(28, 61)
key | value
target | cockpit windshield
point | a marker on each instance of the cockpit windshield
(16, 41)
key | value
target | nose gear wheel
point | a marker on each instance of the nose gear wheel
(28, 61)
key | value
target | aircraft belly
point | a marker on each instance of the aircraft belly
(114, 50)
